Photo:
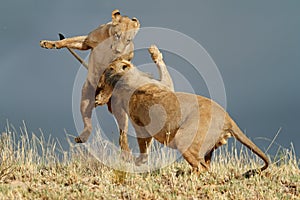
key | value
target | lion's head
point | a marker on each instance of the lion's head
(110, 77)
(123, 31)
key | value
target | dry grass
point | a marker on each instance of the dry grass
(31, 169)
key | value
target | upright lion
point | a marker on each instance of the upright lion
(193, 124)
(107, 42)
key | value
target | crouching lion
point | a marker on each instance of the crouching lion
(193, 124)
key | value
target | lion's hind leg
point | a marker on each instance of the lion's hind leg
(86, 107)
(190, 148)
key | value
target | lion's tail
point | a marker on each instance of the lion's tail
(240, 136)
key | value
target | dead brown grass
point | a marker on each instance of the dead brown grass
(30, 168)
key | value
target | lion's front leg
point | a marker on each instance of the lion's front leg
(144, 144)
(157, 58)
(122, 120)
(123, 141)
(79, 42)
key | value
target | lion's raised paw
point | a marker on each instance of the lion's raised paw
(47, 44)
(155, 53)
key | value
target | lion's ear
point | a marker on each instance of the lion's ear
(115, 16)
(137, 23)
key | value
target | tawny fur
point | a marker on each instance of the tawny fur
(107, 42)
(125, 29)
(193, 124)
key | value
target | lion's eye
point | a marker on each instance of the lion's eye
(124, 67)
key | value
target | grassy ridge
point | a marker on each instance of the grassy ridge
(30, 169)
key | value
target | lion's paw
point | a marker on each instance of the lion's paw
(47, 44)
(78, 140)
(155, 53)
(142, 159)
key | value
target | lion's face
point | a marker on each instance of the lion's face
(115, 71)
(123, 31)
(110, 77)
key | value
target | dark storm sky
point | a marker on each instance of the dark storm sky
(255, 44)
